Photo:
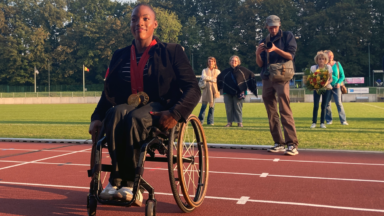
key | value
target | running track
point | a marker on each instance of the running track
(51, 179)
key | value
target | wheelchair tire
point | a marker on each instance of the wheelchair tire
(150, 208)
(191, 151)
(91, 205)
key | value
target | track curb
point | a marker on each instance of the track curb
(210, 145)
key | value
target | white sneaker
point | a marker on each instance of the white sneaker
(322, 125)
(276, 148)
(291, 150)
(126, 194)
(329, 122)
(345, 123)
(108, 192)
(313, 125)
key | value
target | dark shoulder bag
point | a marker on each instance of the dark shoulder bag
(342, 86)
(279, 72)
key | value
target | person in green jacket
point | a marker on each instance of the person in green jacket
(337, 80)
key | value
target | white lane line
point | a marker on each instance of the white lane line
(373, 106)
(263, 175)
(233, 158)
(319, 206)
(218, 198)
(243, 200)
(218, 172)
(16, 165)
(300, 161)
(324, 178)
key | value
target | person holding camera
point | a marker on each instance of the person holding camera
(279, 48)
(235, 81)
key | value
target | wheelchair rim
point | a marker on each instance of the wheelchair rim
(193, 165)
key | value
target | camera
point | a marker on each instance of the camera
(268, 45)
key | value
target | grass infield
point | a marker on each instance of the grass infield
(71, 121)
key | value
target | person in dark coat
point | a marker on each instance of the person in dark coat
(235, 81)
(150, 83)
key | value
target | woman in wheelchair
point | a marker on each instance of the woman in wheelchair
(150, 83)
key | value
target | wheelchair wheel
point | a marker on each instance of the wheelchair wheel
(189, 175)
(91, 205)
(150, 208)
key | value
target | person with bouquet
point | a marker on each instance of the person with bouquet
(319, 81)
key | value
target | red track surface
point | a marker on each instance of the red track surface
(55, 182)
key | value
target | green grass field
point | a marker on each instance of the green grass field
(71, 121)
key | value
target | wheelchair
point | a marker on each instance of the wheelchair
(185, 149)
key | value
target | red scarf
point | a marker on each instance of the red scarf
(137, 84)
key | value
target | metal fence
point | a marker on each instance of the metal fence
(53, 88)
(50, 94)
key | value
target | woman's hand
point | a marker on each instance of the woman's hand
(94, 129)
(337, 85)
(166, 120)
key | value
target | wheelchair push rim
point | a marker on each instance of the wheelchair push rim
(192, 161)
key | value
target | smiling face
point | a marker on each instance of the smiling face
(321, 61)
(143, 23)
(330, 56)
(211, 63)
(234, 62)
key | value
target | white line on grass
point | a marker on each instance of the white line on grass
(373, 106)
(16, 165)
(217, 198)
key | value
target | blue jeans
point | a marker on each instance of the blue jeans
(326, 96)
(210, 113)
(336, 92)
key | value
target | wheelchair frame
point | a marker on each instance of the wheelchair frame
(165, 144)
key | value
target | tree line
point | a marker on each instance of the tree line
(62, 35)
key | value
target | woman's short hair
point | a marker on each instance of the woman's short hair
(234, 56)
(321, 54)
(214, 59)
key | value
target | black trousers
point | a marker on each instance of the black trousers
(326, 97)
(126, 129)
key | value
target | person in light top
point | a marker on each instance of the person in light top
(210, 92)
(321, 60)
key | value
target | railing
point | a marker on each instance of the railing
(51, 94)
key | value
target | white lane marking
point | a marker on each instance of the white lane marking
(219, 198)
(16, 165)
(373, 106)
(316, 205)
(233, 158)
(300, 161)
(303, 129)
(264, 175)
(218, 172)
(243, 200)
(325, 178)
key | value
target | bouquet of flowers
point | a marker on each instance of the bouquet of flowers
(318, 80)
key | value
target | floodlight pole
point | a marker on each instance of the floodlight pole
(49, 81)
(34, 74)
(369, 63)
(83, 82)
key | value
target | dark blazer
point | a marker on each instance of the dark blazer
(172, 81)
(245, 79)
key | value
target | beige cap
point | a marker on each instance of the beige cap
(273, 20)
